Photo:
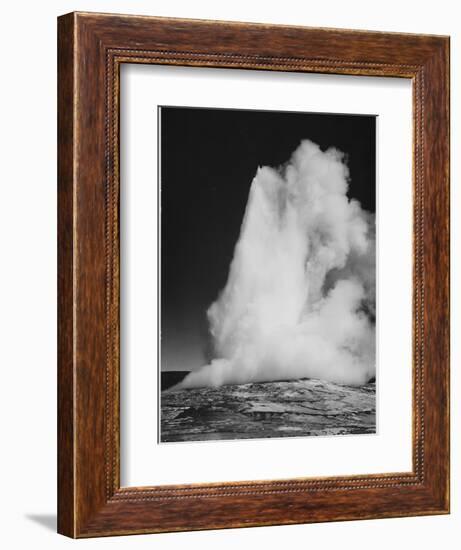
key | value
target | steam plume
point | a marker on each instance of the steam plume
(300, 295)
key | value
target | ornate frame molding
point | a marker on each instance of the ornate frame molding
(91, 49)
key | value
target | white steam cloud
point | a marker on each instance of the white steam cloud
(300, 296)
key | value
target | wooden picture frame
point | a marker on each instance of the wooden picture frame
(91, 48)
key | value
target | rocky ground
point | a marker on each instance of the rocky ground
(270, 409)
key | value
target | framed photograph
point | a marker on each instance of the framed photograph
(253, 323)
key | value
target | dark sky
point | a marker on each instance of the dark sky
(208, 160)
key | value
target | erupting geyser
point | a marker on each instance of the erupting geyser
(300, 296)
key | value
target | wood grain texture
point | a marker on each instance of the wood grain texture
(91, 49)
(66, 471)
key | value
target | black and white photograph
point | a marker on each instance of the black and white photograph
(267, 280)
